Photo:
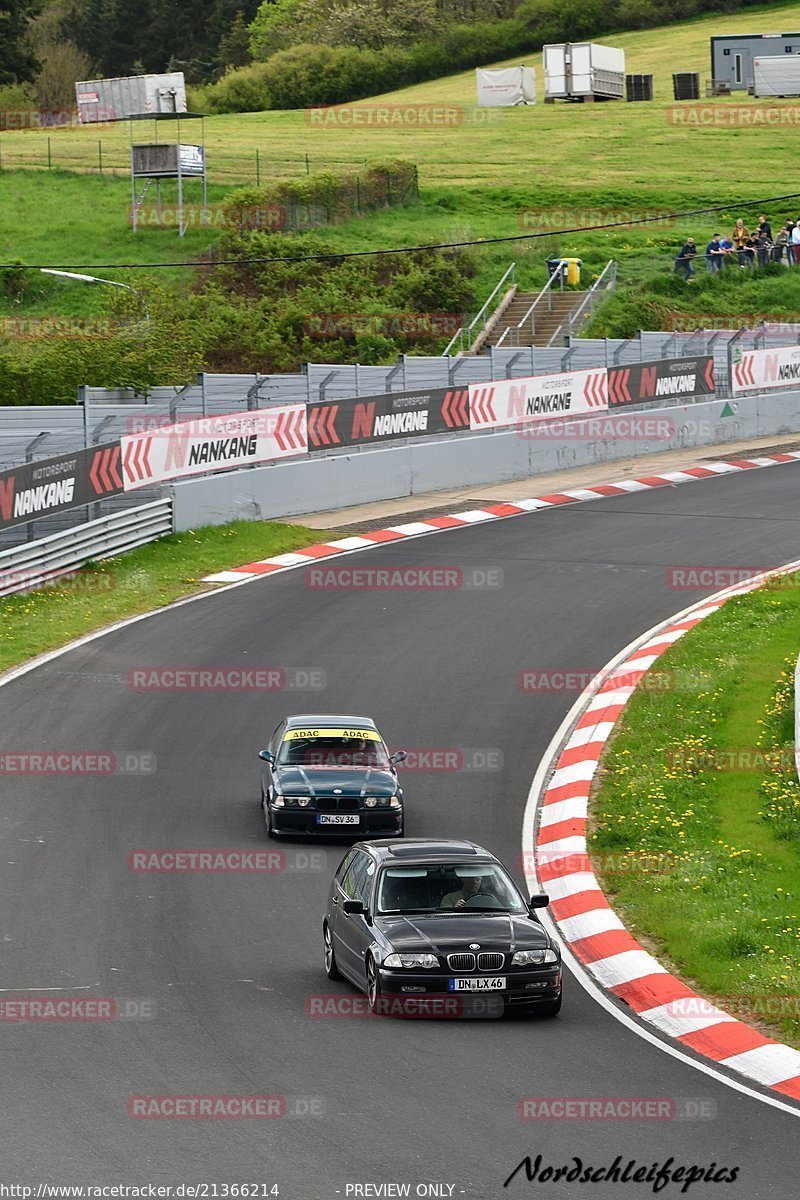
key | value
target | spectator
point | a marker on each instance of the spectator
(714, 255)
(763, 245)
(796, 242)
(728, 250)
(683, 263)
(739, 238)
(765, 228)
(782, 239)
(750, 250)
(789, 226)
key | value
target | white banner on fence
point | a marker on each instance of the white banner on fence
(766, 369)
(505, 86)
(537, 398)
(213, 444)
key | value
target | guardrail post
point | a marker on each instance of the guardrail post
(324, 384)
(391, 374)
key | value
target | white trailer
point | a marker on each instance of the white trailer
(776, 75)
(505, 86)
(583, 70)
(132, 96)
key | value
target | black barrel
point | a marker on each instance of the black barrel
(638, 87)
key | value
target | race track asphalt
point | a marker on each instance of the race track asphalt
(228, 962)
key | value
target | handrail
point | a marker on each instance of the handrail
(558, 273)
(589, 298)
(458, 336)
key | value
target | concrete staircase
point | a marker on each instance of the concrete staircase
(547, 318)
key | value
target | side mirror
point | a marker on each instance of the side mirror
(539, 900)
(267, 756)
(354, 908)
(398, 756)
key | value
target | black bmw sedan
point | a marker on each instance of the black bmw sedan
(330, 775)
(420, 919)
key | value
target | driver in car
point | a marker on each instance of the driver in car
(469, 888)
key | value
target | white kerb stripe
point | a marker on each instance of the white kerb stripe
(599, 920)
(632, 485)
(412, 528)
(768, 1064)
(685, 1016)
(568, 845)
(474, 515)
(583, 494)
(580, 772)
(228, 576)
(611, 697)
(622, 968)
(351, 543)
(570, 885)
(564, 810)
(590, 733)
(286, 560)
(661, 638)
(531, 505)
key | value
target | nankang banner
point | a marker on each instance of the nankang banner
(537, 398)
(757, 369)
(387, 417)
(661, 379)
(213, 444)
(53, 485)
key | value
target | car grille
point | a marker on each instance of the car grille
(338, 803)
(491, 962)
(461, 962)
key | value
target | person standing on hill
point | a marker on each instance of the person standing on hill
(764, 227)
(683, 263)
(739, 238)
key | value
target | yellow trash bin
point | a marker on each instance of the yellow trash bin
(573, 269)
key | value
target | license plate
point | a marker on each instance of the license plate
(495, 983)
(337, 819)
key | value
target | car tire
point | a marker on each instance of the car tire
(373, 987)
(267, 818)
(331, 969)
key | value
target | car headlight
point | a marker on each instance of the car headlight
(303, 801)
(396, 800)
(533, 958)
(277, 800)
(371, 801)
(411, 960)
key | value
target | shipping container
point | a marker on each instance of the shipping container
(583, 70)
(777, 75)
(133, 96)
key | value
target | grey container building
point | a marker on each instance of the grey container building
(732, 55)
(132, 96)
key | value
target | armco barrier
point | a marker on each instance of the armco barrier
(34, 564)
(323, 483)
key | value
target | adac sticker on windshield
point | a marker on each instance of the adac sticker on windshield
(296, 735)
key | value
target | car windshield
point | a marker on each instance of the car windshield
(333, 748)
(448, 887)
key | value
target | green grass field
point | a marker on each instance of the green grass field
(494, 173)
(684, 782)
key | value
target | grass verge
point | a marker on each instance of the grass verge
(139, 582)
(696, 814)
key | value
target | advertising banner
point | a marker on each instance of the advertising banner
(52, 485)
(757, 369)
(387, 418)
(537, 398)
(213, 444)
(661, 379)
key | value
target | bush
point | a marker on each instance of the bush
(243, 89)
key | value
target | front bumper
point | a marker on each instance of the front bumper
(302, 822)
(525, 988)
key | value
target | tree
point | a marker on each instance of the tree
(234, 46)
(17, 61)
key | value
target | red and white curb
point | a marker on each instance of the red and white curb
(492, 512)
(582, 914)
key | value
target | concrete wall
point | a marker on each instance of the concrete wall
(316, 484)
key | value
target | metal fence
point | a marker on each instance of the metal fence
(37, 563)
